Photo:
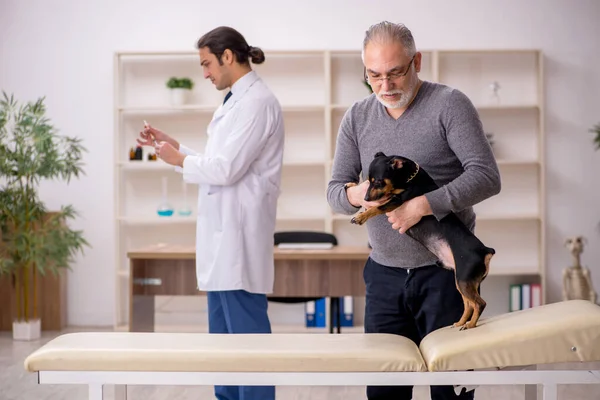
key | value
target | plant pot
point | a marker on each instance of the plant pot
(179, 96)
(27, 330)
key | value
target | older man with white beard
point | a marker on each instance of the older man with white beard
(407, 291)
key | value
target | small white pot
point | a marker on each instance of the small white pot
(23, 330)
(179, 96)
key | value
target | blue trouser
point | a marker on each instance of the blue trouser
(410, 304)
(237, 311)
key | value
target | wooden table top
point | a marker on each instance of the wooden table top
(173, 251)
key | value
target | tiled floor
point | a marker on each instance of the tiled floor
(17, 384)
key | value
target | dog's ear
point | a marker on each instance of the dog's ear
(396, 163)
(379, 154)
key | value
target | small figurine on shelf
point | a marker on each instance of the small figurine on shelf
(494, 87)
(164, 208)
(577, 280)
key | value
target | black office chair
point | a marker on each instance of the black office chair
(310, 237)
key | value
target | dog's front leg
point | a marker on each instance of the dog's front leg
(362, 217)
(396, 201)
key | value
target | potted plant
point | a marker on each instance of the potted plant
(180, 89)
(33, 241)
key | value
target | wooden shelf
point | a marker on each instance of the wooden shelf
(499, 270)
(142, 165)
(162, 109)
(159, 165)
(158, 220)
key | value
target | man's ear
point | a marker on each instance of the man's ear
(227, 57)
(396, 163)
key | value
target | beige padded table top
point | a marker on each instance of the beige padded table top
(553, 333)
(196, 352)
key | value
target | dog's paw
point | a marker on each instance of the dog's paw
(464, 327)
(350, 184)
(469, 325)
(358, 219)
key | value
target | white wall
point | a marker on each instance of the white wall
(63, 50)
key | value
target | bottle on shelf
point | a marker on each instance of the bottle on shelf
(164, 208)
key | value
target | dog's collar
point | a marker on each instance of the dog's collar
(414, 174)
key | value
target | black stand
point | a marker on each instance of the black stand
(334, 314)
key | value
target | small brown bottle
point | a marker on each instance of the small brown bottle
(131, 154)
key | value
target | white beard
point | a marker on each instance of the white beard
(405, 96)
(401, 102)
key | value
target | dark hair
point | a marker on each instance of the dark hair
(222, 38)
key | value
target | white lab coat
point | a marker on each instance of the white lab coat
(239, 176)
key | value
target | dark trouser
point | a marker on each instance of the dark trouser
(237, 311)
(410, 304)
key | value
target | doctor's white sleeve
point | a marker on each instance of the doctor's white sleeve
(249, 134)
(188, 152)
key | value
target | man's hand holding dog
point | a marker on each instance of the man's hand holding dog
(356, 196)
(409, 213)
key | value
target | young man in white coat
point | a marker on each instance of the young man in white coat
(239, 178)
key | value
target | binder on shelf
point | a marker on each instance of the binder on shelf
(320, 313)
(536, 294)
(346, 311)
(525, 296)
(309, 309)
(515, 298)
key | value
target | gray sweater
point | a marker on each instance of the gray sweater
(442, 132)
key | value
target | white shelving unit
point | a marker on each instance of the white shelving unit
(315, 89)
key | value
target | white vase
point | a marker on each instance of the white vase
(179, 96)
(27, 330)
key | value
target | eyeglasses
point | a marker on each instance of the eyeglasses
(391, 77)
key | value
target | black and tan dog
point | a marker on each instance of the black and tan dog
(395, 180)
